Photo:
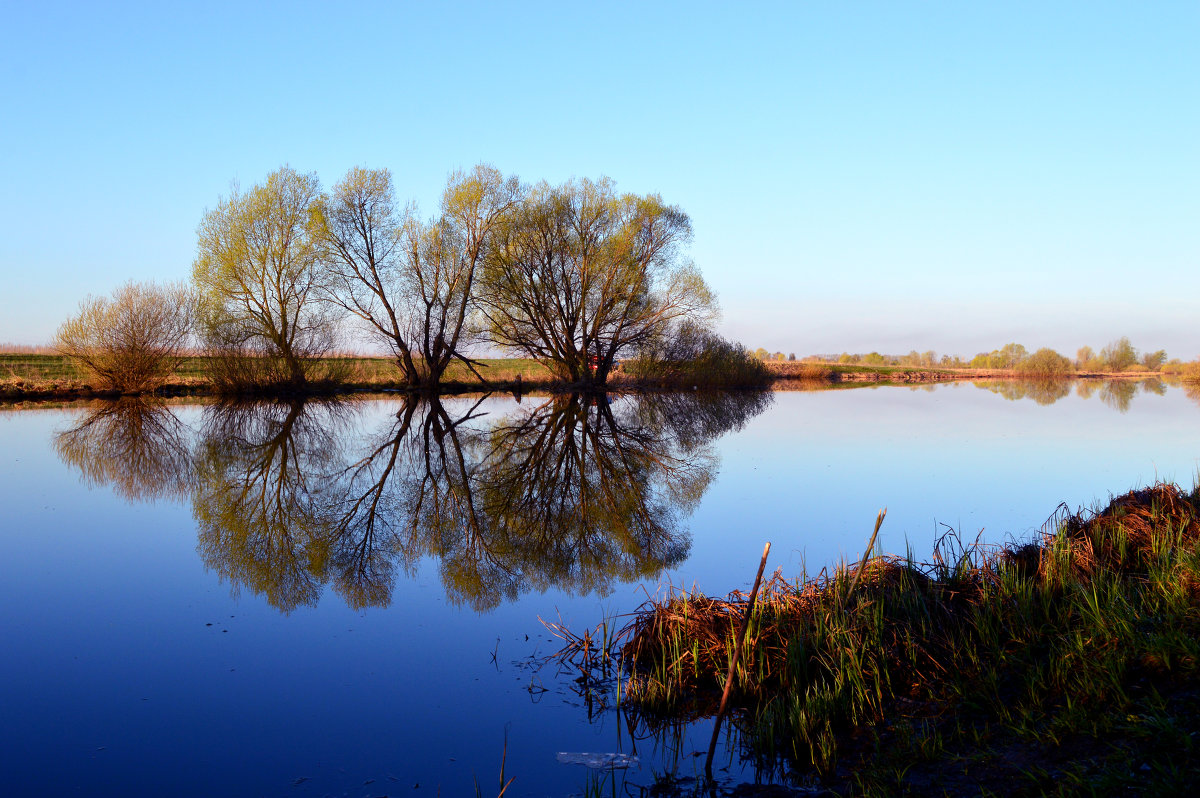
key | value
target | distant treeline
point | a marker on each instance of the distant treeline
(1117, 357)
(576, 277)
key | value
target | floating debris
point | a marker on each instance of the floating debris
(597, 761)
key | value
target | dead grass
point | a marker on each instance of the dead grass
(927, 673)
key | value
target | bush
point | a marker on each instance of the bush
(1044, 363)
(133, 341)
(697, 357)
(1190, 372)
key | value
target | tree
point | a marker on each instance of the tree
(1119, 355)
(259, 279)
(1154, 360)
(579, 275)
(132, 341)
(411, 282)
(1083, 356)
(1008, 356)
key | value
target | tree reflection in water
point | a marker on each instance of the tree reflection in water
(1043, 391)
(263, 502)
(136, 445)
(570, 492)
(1117, 394)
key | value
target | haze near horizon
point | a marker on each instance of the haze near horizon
(887, 176)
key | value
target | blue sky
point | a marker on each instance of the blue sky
(887, 176)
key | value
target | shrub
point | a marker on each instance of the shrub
(1044, 363)
(695, 356)
(132, 341)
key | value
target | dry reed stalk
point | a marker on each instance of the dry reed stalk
(737, 648)
(867, 553)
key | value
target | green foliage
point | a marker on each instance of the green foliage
(411, 282)
(580, 275)
(260, 284)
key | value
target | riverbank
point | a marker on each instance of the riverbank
(787, 372)
(1068, 664)
(40, 377)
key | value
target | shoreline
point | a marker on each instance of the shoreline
(1014, 668)
(785, 377)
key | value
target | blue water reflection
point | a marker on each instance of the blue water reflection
(156, 641)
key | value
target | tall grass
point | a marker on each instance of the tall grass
(1076, 656)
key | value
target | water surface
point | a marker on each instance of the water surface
(311, 599)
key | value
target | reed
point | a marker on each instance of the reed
(1073, 656)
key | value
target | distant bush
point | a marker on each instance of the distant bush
(1153, 361)
(697, 357)
(1190, 372)
(1044, 363)
(132, 341)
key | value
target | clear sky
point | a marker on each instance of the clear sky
(889, 176)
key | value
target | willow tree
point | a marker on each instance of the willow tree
(579, 275)
(411, 282)
(259, 280)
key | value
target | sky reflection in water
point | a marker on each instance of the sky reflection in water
(360, 562)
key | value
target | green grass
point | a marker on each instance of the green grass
(1066, 666)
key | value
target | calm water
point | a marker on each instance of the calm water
(303, 600)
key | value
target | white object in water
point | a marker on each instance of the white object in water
(597, 761)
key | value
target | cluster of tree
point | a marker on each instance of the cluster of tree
(574, 275)
(1118, 356)
(914, 359)
(572, 492)
(763, 354)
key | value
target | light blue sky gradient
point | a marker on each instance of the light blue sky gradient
(889, 176)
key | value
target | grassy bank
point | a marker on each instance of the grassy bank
(32, 376)
(1064, 666)
(48, 376)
